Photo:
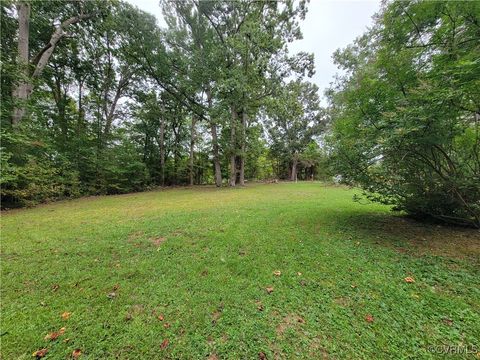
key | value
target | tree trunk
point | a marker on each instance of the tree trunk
(79, 127)
(110, 112)
(23, 88)
(233, 145)
(176, 151)
(216, 156)
(161, 144)
(192, 153)
(215, 147)
(243, 148)
(293, 175)
(80, 106)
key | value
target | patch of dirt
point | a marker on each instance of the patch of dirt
(135, 238)
(134, 311)
(342, 301)
(158, 241)
(217, 313)
(135, 235)
(277, 352)
(215, 316)
(317, 351)
(291, 321)
(427, 239)
(178, 232)
(408, 236)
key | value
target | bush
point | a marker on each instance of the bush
(29, 175)
(406, 122)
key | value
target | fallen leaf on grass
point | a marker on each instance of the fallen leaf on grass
(76, 353)
(54, 335)
(166, 325)
(55, 287)
(66, 315)
(369, 318)
(164, 344)
(215, 316)
(262, 356)
(269, 289)
(409, 280)
(299, 273)
(40, 353)
(277, 273)
(259, 306)
(112, 295)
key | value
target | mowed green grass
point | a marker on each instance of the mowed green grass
(203, 257)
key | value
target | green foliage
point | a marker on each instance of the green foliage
(114, 105)
(34, 173)
(406, 114)
(294, 120)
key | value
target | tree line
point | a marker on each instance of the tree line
(98, 99)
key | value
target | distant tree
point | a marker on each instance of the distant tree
(293, 120)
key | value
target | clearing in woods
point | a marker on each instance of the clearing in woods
(267, 271)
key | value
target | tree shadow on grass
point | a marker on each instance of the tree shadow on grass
(413, 237)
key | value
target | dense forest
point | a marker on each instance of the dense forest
(99, 99)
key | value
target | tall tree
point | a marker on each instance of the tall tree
(293, 120)
(30, 69)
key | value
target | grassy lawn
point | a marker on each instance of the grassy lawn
(184, 274)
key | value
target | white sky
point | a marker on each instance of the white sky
(329, 25)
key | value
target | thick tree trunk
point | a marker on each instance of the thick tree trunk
(23, 88)
(233, 145)
(243, 148)
(192, 152)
